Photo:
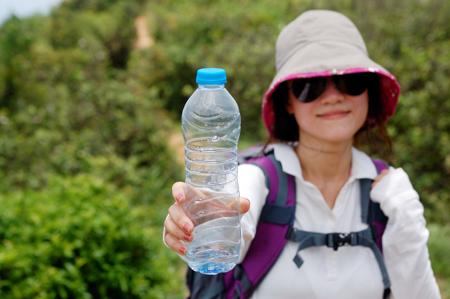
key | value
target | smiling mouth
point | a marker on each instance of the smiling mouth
(334, 114)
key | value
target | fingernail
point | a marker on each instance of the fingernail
(179, 196)
(187, 228)
(188, 238)
(182, 250)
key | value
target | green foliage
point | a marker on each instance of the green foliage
(99, 122)
(80, 238)
(439, 245)
(16, 38)
(108, 30)
(100, 5)
(85, 171)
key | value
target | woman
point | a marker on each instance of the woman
(327, 93)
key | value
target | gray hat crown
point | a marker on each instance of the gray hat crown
(316, 26)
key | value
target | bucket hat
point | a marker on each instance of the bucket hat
(321, 43)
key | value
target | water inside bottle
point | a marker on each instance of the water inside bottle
(211, 164)
(215, 248)
(217, 233)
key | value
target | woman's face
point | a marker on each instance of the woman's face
(334, 117)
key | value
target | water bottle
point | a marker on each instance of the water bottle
(211, 126)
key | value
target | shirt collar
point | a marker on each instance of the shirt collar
(362, 164)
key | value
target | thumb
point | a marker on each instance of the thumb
(244, 205)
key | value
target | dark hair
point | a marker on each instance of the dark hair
(373, 133)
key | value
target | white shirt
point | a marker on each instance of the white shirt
(350, 272)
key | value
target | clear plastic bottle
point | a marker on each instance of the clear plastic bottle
(211, 126)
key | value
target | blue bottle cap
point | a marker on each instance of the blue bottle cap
(211, 76)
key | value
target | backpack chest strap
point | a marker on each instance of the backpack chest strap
(308, 239)
(364, 238)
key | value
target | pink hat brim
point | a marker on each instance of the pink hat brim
(389, 91)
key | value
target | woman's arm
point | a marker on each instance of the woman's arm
(405, 239)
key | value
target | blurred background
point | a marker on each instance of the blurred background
(90, 98)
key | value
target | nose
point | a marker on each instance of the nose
(331, 94)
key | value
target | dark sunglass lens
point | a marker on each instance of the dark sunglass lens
(298, 86)
(307, 90)
(353, 84)
(318, 86)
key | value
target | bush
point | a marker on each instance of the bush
(439, 244)
(80, 238)
(106, 128)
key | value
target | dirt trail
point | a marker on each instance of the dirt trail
(176, 144)
(144, 41)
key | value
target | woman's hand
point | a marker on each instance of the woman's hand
(178, 227)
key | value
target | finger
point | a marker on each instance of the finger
(230, 208)
(244, 205)
(180, 218)
(175, 244)
(382, 174)
(182, 192)
(178, 191)
(384, 171)
(173, 229)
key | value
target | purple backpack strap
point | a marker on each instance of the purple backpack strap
(380, 165)
(376, 219)
(276, 217)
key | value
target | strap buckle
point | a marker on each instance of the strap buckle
(337, 240)
(290, 233)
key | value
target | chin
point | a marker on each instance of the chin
(337, 137)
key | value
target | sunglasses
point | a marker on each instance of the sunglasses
(308, 89)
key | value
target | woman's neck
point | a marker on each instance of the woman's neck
(326, 165)
(323, 161)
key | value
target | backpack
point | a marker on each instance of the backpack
(275, 229)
